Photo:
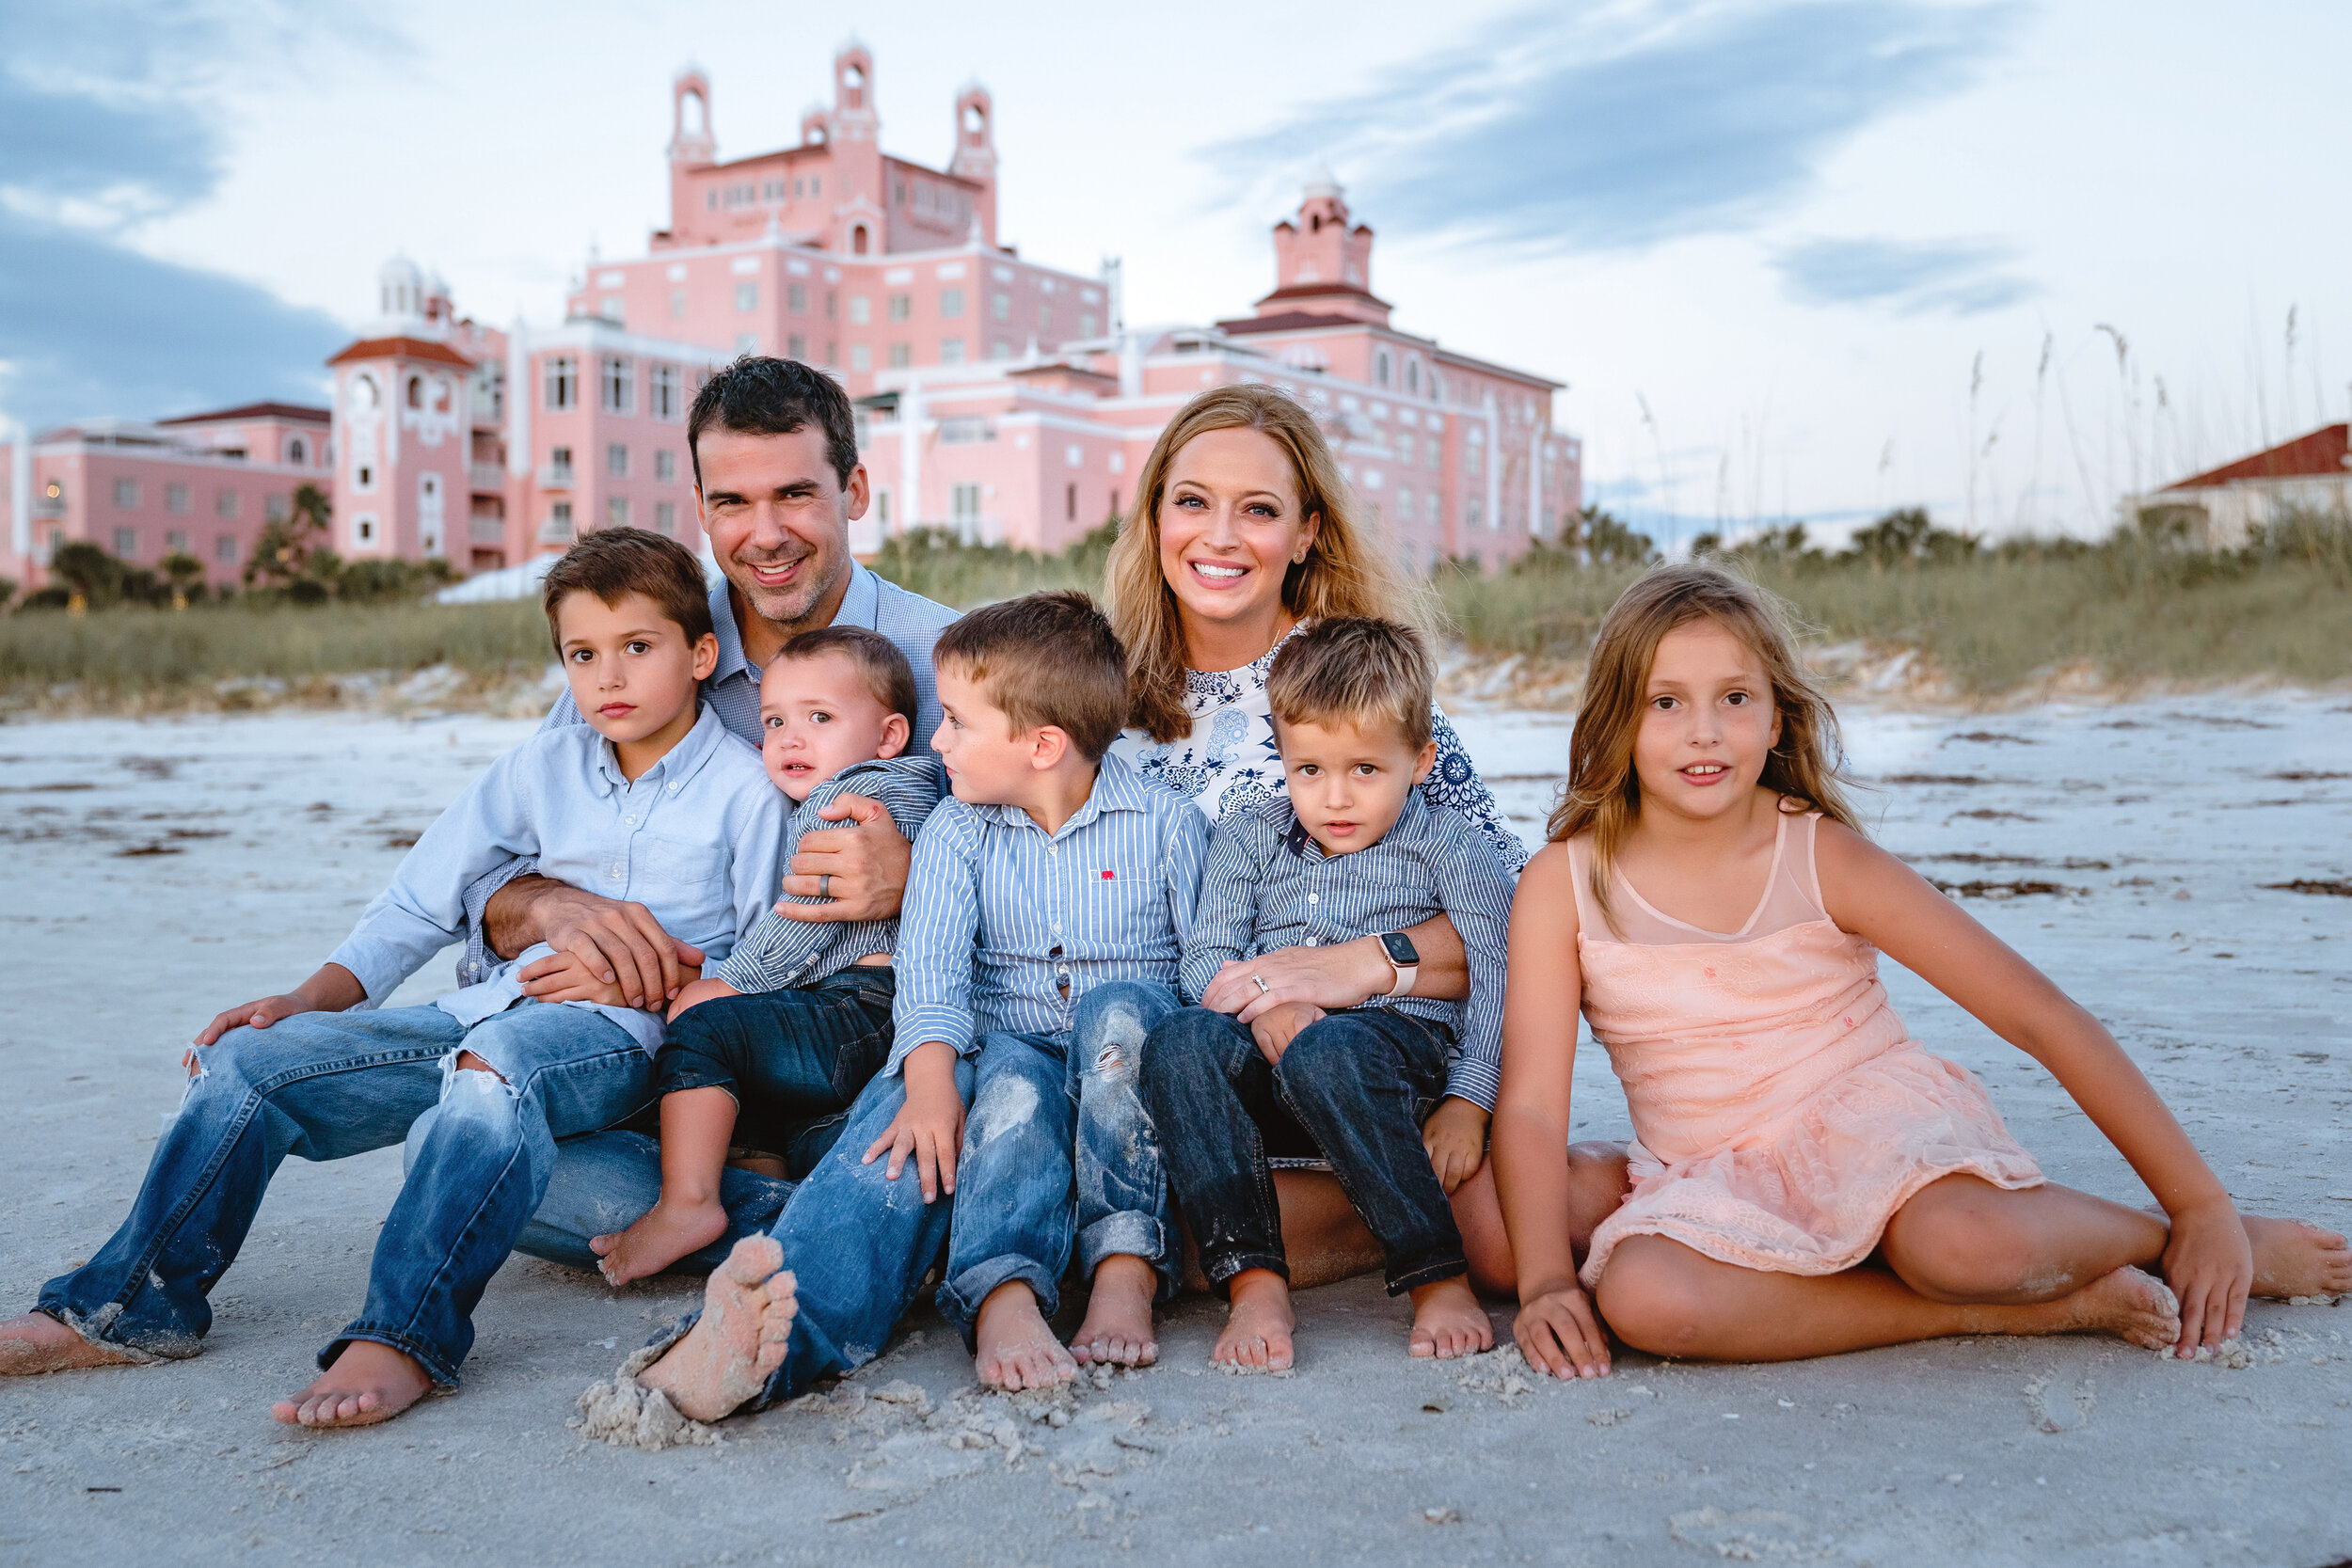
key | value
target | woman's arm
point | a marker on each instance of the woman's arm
(1556, 1329)
(1874, 895)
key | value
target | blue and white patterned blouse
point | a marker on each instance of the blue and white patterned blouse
(1229, 759)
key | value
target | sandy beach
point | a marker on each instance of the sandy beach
(2142, 853)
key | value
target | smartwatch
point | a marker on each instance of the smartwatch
(1404, 956)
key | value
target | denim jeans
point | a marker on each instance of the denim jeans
(786, 1057)
(1051, 1113)
(1360, 1083)
(323, 1086)
(858, 1243)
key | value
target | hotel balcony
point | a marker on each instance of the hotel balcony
(554, 477)
(486, 476)
(556, 530)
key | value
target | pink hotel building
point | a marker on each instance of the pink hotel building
(999, 398)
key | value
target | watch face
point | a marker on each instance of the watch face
(1400, 949)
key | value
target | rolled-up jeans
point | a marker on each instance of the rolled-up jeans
(1360, 1083)
(326, 1085)
(1059, 1151)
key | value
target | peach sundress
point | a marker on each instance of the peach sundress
(1781, 1112)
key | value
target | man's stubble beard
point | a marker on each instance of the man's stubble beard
(790, 606)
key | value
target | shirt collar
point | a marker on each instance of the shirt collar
(861, 606)
(682, 762)
(1117, 787)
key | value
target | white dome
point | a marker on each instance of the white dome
(400, 270)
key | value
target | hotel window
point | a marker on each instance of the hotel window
(860, 310)
(861, 357)
(901, 307)
(176, 543)
(176, 497)
(1070, 503)
(563, 377)
(678, 304)
(832, 351)
(559, 465)
(951, 350)
(1404, 506)
(617, 460)
(619, 380)
(710, 197)
(772, 191)
(1412, 376)
(665, 518)
(796, 347)
(666, 467)
(1000, 350)
(833, 304)
(796, 298)
(363, 477)
(126, 492)
(1085, 323)
(126, 544)
(612, 309)
(225, 549)
(1475, 513)
(661, 396)
(900, 357)
(746, 298)
(1380, 367)
(881, 508)
(560, 521)
(1474, 455)
(1000, 307)
(363, 528)
(415, 395)
(617, 512)
(817, 186)
(951, 302)
(225, 504)
(297, 454)
(965, 502)
(1045, 315)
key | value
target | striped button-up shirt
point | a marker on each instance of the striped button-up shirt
(693, 838)
(1006, 926)
(913, 624)
(779, 952)
(1269, 885)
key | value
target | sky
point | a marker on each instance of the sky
(1794, 259)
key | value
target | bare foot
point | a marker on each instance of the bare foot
(2137, 1306)
(1449, 1322)
(1118, 1328)
(741, 1339)
(661, 1235)
(368, 1383)
(1016, 1348)
(2293, 1258)
(38, 1343)
(1258, 1328)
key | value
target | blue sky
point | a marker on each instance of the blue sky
(1809, 258)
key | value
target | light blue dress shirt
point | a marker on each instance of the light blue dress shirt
(695, 839)
(1005, 927)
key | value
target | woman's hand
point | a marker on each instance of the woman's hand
(1455, 1137)
(930, 1126)
(1343, 975)
(2210, 1265)
(1559, 1334)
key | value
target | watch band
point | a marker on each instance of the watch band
(1404, 974)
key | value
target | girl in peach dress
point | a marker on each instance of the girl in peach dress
(1806, 1179)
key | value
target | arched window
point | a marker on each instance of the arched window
(857, 240)
(1412, 376)
(852, 87)
(297, 452)
(416, 392)
(975, 122)
(1380, 367)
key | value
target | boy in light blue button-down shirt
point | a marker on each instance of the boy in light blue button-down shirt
(650, 800)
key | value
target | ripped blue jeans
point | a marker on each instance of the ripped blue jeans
(1058, 1150)
(326, 1085)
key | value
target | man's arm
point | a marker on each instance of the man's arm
(1344, 974)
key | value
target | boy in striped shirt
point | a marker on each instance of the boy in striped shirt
(1395, 1093)
(1046, 914)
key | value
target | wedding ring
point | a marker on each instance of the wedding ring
(1262, 987)
(824, 885)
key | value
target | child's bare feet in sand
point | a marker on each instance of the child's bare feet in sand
(1017, 1350)
(661, 1236)
(2135, 1306)
(1258, 1326)
(38, 1343)
(1447, 1320)
(1117, 1327)
(368, 1383)
(2295, 1258)
(746, 1325)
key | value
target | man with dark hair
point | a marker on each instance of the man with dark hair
(776, 475)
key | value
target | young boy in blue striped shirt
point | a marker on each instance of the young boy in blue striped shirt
(1046, 916)
(1395, 1093)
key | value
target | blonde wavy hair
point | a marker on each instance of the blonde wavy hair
(1603, 796)
(1348, 570)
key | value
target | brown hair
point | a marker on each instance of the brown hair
(1603, 796)
(612, 562)
(889, 677)
(1357, 668)
(1348, 569)
(1048, 657)
(761, 395)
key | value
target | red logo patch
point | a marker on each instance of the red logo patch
(1110, 876)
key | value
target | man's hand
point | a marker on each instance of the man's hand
(620, 944)
(1455, 1137)
(1343, 975)
(332, 990)
(868, 862)
(1275, 1028)
(2210, 1266)
(1558, 1333)
(929, 1125)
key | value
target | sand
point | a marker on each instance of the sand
(155, 872)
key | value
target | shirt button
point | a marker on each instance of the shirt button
(1314, 898)
(1058, 927)
(1311, 942)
